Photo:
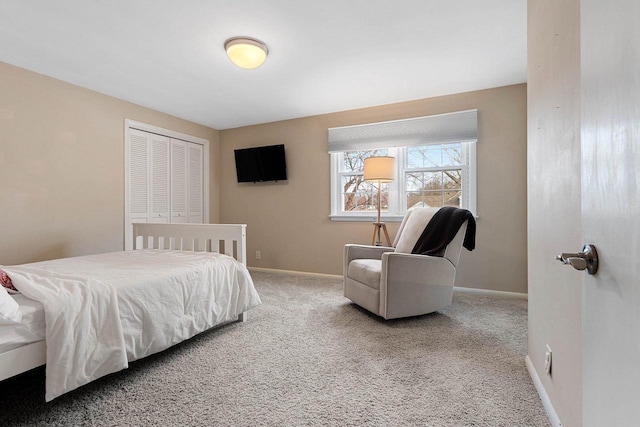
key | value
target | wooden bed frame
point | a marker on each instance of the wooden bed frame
(229, 239)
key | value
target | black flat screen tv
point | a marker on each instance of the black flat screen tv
(259, 164)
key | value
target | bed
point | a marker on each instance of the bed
(86, 317)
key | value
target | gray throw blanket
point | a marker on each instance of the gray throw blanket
(441, 230)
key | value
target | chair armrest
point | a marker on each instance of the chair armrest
(401, 267)
(352, 252)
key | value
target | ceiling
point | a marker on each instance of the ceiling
(324, 55)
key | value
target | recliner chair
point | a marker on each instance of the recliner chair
(393, 282)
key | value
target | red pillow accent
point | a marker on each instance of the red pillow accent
(6, 282)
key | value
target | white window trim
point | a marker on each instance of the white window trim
(132, 124)
(469, 192)
(336, 195)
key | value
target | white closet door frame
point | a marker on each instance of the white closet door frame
(132, 124)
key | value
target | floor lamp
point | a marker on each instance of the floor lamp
(379, 169)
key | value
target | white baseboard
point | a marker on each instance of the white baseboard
(275, 270)
(491, 292)
(544, 397)
(456, 289)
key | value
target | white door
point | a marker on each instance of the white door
(148, 179)
(138, 172)
(610, 79)
(166, 177)
(159, 179)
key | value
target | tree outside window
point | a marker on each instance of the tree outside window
(357, 194)
(433, 175)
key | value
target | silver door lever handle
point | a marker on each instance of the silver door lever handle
(585, 260)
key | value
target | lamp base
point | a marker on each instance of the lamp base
(376, 240)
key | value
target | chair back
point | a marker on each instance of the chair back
(401, 228)
(412, 226)
(452, 253)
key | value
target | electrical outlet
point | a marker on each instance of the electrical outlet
(257, 254)
(547, 360)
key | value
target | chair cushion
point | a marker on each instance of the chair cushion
(366, 271)
(413, 228)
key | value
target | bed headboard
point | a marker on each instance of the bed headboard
(229, 239)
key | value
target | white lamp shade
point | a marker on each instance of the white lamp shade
(246, 52)
(380, 168)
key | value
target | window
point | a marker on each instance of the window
(434, 175)
(435, 165)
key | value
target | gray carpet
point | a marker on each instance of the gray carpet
(309, 357)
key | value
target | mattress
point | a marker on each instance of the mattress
(31, 329)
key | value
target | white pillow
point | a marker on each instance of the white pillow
(413, 228)
(10, 313)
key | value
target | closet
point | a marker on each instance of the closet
(165, 180)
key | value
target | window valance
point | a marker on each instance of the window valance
(460, 126)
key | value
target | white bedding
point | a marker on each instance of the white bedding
(105, 310)
(29, 330)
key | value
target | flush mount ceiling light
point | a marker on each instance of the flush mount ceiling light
(246, 52)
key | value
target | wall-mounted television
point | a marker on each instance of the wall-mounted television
(260, 164)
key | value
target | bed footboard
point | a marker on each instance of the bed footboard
(229, 239)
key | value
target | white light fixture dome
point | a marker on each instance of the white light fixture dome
(246, 52)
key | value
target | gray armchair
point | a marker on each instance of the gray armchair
(392, 282)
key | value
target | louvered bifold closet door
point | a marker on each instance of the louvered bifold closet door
(195, 183)
(179, 174)
(139, 176)
(165, 180)
(160, 146)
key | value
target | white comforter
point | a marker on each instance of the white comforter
(103, 311)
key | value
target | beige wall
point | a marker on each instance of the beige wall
(62, 179)
(554, 205)
(62, 166)
(289, 221)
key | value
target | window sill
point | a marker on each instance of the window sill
(366, 218)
